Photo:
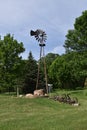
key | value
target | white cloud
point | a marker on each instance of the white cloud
(59, 50)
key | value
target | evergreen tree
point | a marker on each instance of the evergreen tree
(30, 74)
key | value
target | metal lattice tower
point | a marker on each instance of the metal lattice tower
(41, 37)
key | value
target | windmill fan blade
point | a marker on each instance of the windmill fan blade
(39, 34)
(36, 38)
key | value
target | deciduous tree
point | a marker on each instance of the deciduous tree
(10, 50)
(76, 39)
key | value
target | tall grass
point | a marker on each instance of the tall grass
(43, 113)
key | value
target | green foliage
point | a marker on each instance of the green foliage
(10, 61)
(75, 71)
(30, 75)
(69, 71)
(49, 58)
(76, 39)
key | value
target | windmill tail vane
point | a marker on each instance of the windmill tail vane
(33, 33)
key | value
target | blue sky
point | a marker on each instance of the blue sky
(55, 17)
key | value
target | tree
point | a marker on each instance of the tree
(30, 74)
(10, 50)
(49, 58)
(76, 39)
(68, 72)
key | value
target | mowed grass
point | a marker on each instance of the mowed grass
(43, 113)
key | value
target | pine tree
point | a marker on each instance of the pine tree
(30, 75)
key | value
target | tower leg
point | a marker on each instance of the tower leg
(42, 54)
(45, 72)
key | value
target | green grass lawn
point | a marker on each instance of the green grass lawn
(43, 113)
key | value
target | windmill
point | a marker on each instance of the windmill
(41, 37)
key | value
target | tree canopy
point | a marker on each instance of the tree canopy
(10, 61)
(70, 70)
(76, 39)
